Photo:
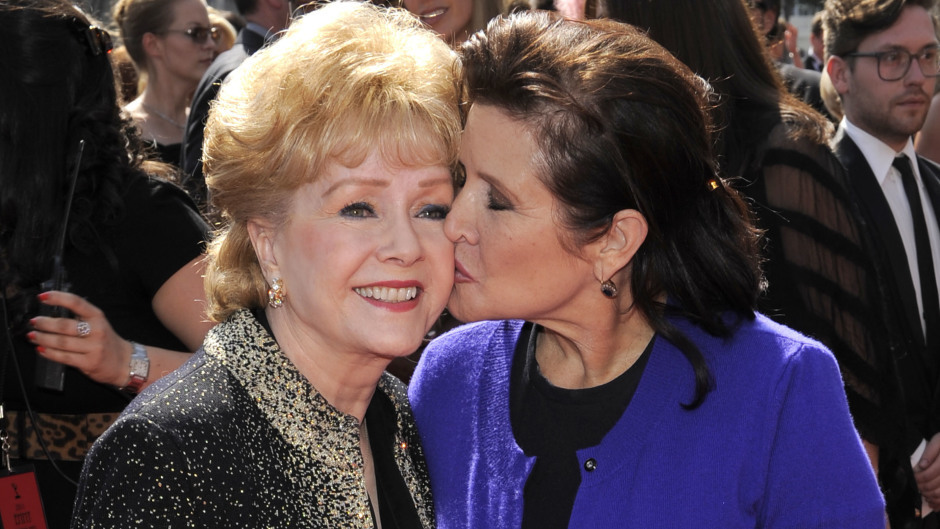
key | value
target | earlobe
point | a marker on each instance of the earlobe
(262, 235)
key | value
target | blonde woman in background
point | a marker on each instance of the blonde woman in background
(172, 43)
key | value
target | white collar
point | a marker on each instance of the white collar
(877, 153)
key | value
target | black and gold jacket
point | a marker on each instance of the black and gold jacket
(237, 437)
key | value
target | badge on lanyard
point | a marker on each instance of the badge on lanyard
(20, 503)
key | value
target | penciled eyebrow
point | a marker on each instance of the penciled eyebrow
(371, 182)
(378, 182)
(433, 182)
(496, 184)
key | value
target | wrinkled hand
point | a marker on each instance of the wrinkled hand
(101, 354)
(927, 473)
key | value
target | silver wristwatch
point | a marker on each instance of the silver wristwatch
(140, 368)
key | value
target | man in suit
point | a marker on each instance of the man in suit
(814, 56)
(883, 61)
(264, 19)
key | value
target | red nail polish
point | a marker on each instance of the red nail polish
(44, 296)
(40, 349)
(31, 336)
(32, 322)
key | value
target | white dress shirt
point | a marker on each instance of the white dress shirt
(880, 157)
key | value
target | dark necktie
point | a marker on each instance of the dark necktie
(928, 281)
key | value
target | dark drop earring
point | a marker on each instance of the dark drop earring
(609, 289)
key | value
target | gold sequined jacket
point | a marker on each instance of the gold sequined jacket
(237, 437)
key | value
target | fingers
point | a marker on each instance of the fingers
(934, 504)
(930, 494)
(81, 308)
(59, 347)
(65, 327)
(86, 321)
(791, 39)
(102, 356)
(930, 454)
(84, 341)
(927, 473)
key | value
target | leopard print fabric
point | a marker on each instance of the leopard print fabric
(67, 437)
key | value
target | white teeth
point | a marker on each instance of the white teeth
(389, 295)
(433, 14)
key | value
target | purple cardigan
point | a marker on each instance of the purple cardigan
(772, 446)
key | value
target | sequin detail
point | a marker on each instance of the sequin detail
(237, 437)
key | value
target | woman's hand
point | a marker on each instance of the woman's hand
(790, 39)
(927, 473)
(91, 347)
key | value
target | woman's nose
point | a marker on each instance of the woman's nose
(458, 225)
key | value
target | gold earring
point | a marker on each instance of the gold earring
(276, 293)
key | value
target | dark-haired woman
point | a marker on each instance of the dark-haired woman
(132, 249)
(619, 375)
(821, 270)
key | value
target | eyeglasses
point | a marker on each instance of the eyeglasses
(762, 6)
(894, 64)
(198, 34)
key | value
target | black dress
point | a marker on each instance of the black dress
(820, 265)
(120, 270)
(168, 153)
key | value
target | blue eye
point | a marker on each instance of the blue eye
(434, 212)
(358, 210)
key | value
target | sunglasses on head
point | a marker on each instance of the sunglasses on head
(198, 34)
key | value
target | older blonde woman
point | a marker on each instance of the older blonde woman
(330, 155)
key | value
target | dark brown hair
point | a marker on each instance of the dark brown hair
(718, 41)
(621, 124)
(848, 22)
(816, 27)
(58, 88)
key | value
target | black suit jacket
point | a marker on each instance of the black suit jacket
(246, 44)
(872, 198)
(811, 62)
(804, 84)
(913, 380)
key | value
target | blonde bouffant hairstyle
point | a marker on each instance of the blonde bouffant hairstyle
(344, 80)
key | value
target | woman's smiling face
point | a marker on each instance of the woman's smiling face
(363, 256)
(450, 18)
